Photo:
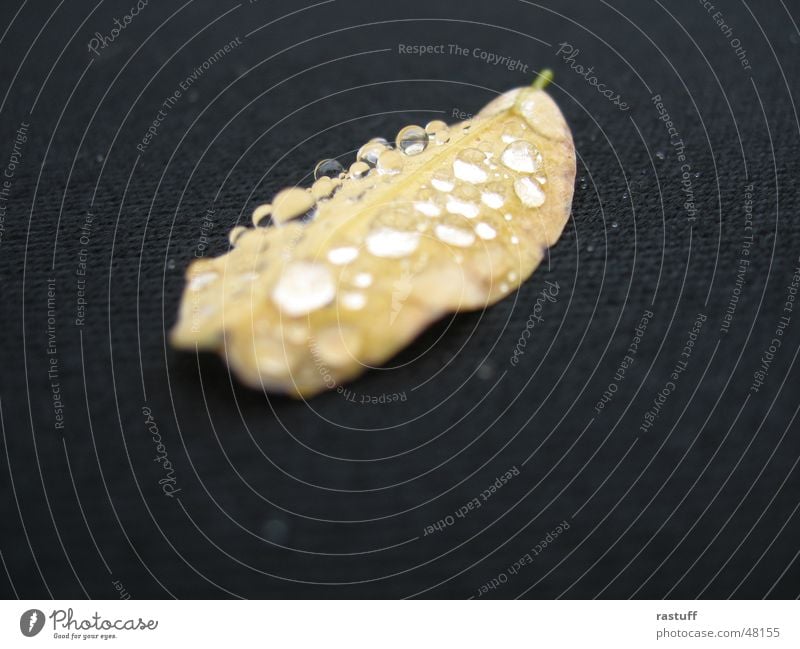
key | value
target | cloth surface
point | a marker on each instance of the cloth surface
(646, 444)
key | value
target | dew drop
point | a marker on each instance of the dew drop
(464, 201)
(412, 140)
(468, 166)
(442, 181)
(303, 287)
(371, 151)
(234, 234)
(359, 169)
(323, 188)
(328, 167)
(343, 255)
(390, 163)
(485, 231)
(529, 191)
(261, 215)
(660, 155)
(455, 236)
(539, 120)
(438, 131)
(494, 195)
(391, 243)
(522, 156)
(291, 203)
(514, 130)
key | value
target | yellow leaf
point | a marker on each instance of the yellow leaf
(349, 272)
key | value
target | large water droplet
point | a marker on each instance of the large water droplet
(343, 255)
(328, 167)
(529, 191)
(353, 301)
(291, 203)
(303, 287)
(455, 236)
(323, 187)
(540, 121)
(387, 242)
(438, 131)
(468, 166)
(522, 156)
(412, 140)
(390, 163)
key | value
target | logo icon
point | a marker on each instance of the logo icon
(31, 622)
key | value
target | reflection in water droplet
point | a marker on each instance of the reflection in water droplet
(485, 231)
(529, 191)
(387, 242)
(328, 167)
(438, 131)
(468, 166)
(412, 140)
(522, 156)
(341, 256)
(455, 236)
(390, 162)
(291, 203)
(303, 287)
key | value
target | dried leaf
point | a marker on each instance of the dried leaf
(353, 269)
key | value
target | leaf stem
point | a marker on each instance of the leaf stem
(544, 79)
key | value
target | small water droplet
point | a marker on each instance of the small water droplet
(328, 167)
(412, 140)
(438, 131)
(443, 181)
(261, 215)
(515, 240)
(371, 151)
(235, 233)
(275, 530)
(390, 163)
(513, 130)
(387, 242)
(454, 236)
(291, 203)
(614, 224)
(304, 286)
(529, 191)
(660, 155)
(464, 201)
(590, 248)
(522, 156)
(359, 169)
(468, 166)
(343, 255)
(494, 195)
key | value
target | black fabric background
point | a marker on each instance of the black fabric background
(330, 498)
